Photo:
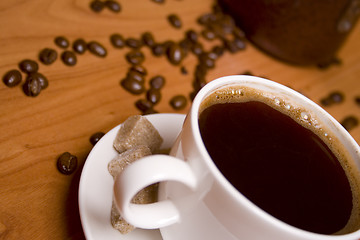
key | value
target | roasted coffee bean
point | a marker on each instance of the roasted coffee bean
(69, 58)
(218, 50)
(333, 98)
(157, 82)
(175, 54)
(133, 43)
(357, 100)
(327, 64)
(132, 86)
(117, 40)
(235, 45)
(337, 97)
(208, 34)
(183, 70)
(175, 20)
(153, 95)
(47, 56)
(186, 45)
(135, 76)
(207, 19)
(350, 122)
(28, 66)
(178, 102)
(97, 5)
(143, 105)
(150, 111)
(158, 1)
(44, 83)
(197, 48)
(97, 49)
(79, 46)
(61, 42)
(158, 49)
(191, 35)
(32, 86)
(135, 57)
(112, 5)
(148, 39)
(206, 60)
(96, 137)
(12, 78)
(138, 68)
(200, 72)
(67, 163)
(238, 33)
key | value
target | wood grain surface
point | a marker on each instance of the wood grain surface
(38, 202)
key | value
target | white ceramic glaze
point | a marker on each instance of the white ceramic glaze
(208, 206)
(96, 184)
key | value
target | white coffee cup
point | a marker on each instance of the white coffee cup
(195, 200)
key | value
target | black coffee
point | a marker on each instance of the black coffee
(282, 167)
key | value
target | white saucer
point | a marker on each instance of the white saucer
(96, 184)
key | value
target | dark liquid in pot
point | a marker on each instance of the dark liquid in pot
(282, 167)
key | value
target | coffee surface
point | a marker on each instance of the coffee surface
(281, 166)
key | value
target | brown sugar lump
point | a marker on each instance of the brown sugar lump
(136, 131)
(118, 164)
(118, 222)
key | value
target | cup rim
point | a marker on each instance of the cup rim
(194, 114)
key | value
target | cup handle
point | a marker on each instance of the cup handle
(142, 173)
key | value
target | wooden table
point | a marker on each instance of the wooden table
(38, 202)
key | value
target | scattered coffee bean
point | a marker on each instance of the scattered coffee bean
(208, 34)
(178, 102)
(206, 60)
(238, 33)
(175, 21)
(158, 1)
(47, 56)
(117, 40)
(44, 83)
(333, 98)
(69, 58)
(218, 50)
(153, 95)
(191, 35)
(12, 78)
(132, 86)
(157, 82)
(143, 105)
(207, 18)
(32, 86)
(135, 57)
(197, 48)
(150, 111)
(97, 5)
(61, 42)
(337, 97)
(28, 66)
(138, 68)
(96, 137)
(349, 122)
(97, 49)
(174, 54)
(158, 49)
(183, 70)
(133, 43)
(357, 100)
(113, 6)
(148, 39)
(235, 45)
(135, 76)
(326, 65)
(67, 163)
(79, 46)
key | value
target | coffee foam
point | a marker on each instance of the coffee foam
(305, 118)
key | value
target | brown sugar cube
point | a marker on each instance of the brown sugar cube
(135, 131)
(118, 222)
(118, 164)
